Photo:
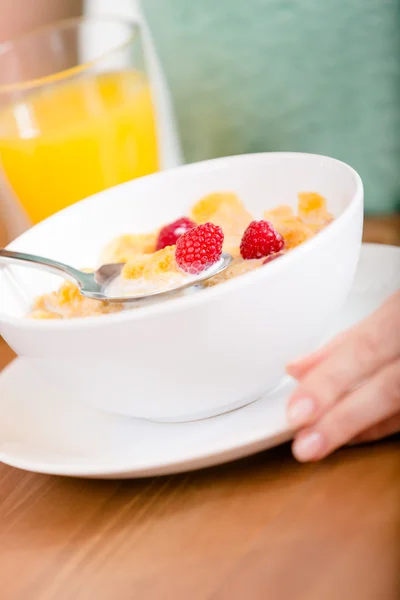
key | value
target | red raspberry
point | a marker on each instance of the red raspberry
(260, 239)
(199, 248)
(170, 233)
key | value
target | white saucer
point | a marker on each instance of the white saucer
(42, 430)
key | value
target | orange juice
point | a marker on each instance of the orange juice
(73, 139)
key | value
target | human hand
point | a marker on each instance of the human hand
(349, 391)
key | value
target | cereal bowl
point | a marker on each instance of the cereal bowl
(203, 353)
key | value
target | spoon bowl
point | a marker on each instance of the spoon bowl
(97, 286)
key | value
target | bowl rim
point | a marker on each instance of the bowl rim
(191, 300)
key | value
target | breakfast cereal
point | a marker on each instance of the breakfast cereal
(180, 250)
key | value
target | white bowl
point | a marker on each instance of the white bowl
(205, 353)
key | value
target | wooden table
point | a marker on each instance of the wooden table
(263, 528)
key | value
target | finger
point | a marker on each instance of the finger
(380, 430)
(358, 355)
(299, 368)
(377, 400)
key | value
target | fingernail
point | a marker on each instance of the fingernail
(301, 411)
(308, 446)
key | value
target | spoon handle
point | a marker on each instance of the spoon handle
(46, 264)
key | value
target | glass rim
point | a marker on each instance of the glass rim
(36, 82)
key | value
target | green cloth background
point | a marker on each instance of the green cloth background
(308, 75)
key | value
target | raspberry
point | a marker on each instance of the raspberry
(199, 248)
(260, 239)
(170, 233)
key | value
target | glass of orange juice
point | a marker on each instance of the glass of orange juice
(76, 113)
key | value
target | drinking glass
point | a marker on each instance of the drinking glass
(76, 113)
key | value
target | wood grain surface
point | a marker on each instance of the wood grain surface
(263, 528)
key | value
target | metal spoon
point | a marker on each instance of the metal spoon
(94, 285)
